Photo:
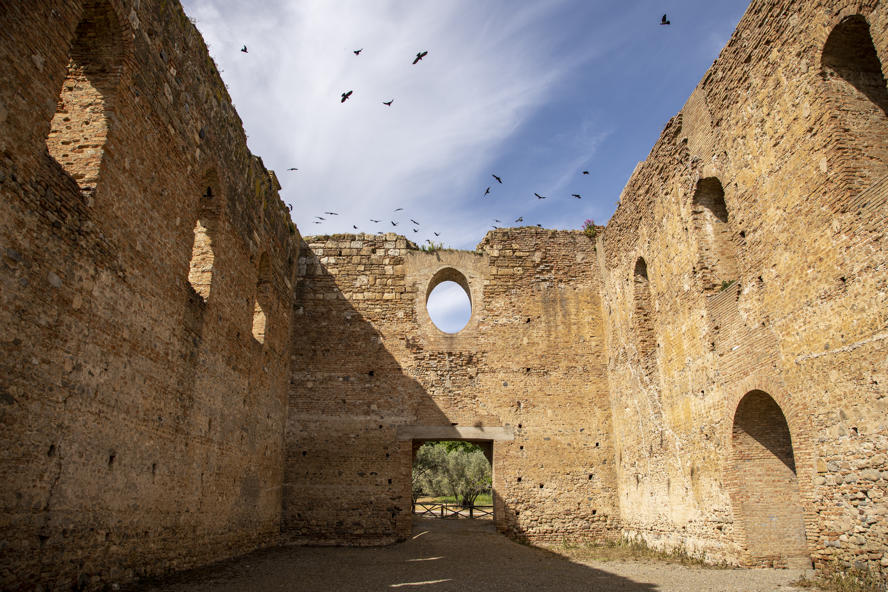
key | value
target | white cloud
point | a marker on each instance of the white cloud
(489, 65)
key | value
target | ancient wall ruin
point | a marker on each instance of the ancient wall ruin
(760, 215)
(184, 379)
(141, 420)
(371, 371)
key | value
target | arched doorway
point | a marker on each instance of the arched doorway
(766, 493)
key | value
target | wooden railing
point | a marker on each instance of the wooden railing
(456, 511)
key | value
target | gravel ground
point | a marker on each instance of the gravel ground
(450, 555)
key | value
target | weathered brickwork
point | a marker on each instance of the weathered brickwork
(782, 293)
(368, 361)
(141, 422)
(185, 379)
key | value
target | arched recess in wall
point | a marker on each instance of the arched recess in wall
(766, 488)
(645, 338)
(718, 252)
(203, 250)
(84, 113)
(262, 300)
(856, 89)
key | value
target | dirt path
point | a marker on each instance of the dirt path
(449, 555)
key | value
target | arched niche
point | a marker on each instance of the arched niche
(766, 487)
(84, 113)
(643, 321)
(717, 250)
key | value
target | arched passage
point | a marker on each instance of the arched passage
(766, 496)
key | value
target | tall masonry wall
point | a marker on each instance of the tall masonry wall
(372, 377)
(709, 374)
(744, 282)
(142, 391)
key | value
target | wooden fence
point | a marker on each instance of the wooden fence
(456, 511)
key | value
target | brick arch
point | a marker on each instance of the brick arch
(97, 59)
(763, 480)
(643, 320)
(204, 248)
(854, 86)
(262, 298)
(716, 242)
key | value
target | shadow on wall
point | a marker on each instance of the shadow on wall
(347, 477)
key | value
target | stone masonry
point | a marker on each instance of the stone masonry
(185, 378)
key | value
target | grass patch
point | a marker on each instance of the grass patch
(627, 550)
(848, 579)
(485, 499)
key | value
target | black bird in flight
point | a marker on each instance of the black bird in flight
(331, 213)
(577, 195)
(375, 221)
(345, 96)
(398, 209)
(495, 220)
(315, 222)
(292, 169)
(540, 196)
(420, 55)
(539, 225)
(355, 227)
(664, 21)
(436, 233)
(290, 207)
(388, 103)
(415, 230)
(585, 172)
(244, 49)
(498, 179)
(414, 221)
(486, 191)
(519, 219)
(358, 51)
(319, 218)
(394, 223)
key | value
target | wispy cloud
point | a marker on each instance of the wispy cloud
(487, 69)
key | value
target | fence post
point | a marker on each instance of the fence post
(442, 510)
(472, 511)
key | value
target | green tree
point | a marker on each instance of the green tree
(458, 469)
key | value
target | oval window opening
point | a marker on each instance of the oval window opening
(449, 307)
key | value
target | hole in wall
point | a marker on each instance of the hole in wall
(448, 303)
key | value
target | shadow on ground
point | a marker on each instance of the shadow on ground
(440, 556)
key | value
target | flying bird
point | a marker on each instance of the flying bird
(415, 230)
(331, 213)
(398, 209)
(244, 49)
(664, 21)
(315, 222)
(292, 169)
(436, 234)
(345, 96)
(420, 55)
(585, 172)
(540, 196)
(355, 227)
(388, 103)
(577, 195)
(486, 191)
(500, 181)
(495, 220)
(539, 225)
(414, 221)
(394, 223)
(358, 51)
(320, 218)
(519, 219)
(375, 221)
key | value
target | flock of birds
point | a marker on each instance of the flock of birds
(347, 95)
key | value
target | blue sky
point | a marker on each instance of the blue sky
(535, 92)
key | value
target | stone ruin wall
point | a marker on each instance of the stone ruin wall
(141, 420)
(171, 394)
(369, 367)
(800, 156)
